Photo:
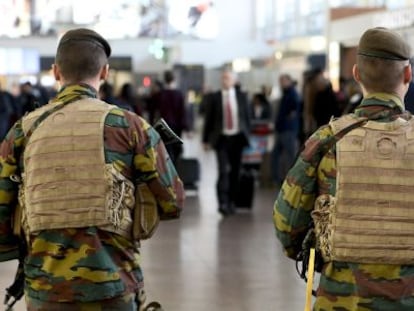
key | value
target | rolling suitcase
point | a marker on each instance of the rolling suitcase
(189, 171)
(245, 193)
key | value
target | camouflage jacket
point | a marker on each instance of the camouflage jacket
(342, 286)
(88, 264)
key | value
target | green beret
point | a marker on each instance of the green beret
(84, 34)
(384, 43)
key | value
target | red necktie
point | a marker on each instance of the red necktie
(228, 113)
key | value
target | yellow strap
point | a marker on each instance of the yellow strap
(309, 284)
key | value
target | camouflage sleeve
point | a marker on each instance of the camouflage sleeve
(9, 155)
(154, 166)
(294, 203)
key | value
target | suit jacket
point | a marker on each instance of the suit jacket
(213, 117)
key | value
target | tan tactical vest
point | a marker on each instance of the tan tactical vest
(66, 183)
(371, 220)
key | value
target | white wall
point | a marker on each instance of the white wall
(236, 39)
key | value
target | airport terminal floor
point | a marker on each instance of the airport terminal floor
(204, 262)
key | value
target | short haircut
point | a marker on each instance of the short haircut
(286, 76)
(168, 76)
(261, 98)
(379, 74)
(80, 59)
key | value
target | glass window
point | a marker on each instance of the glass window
(338, 3)
(265, 15)
(395, 4)
(285, 10)
(311, 6)
(305, 7)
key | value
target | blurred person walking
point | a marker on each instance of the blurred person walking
(226, 129)
(260, 109)
(8, 112)
(128, 98)
(320, 101)
(28, 99)
(106, 93)
(168, 103)
(287, 126)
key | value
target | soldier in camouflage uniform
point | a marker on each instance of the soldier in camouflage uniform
(375, 200)
(80, 254)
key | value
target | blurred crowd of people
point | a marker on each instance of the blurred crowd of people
(298, 112)
(287, 120)
(292, 117)
(14, 105)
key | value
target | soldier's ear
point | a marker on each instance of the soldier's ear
(104, 72)
(56, 72)
(355, 73)
(408, 74)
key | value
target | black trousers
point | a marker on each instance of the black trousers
(229, 152)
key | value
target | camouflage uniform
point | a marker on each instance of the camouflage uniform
(343, 286)
(88, 265)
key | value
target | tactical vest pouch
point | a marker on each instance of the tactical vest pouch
(322, 217)
(146, 216)
(120, 203)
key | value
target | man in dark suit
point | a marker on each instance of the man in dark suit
(226, 128)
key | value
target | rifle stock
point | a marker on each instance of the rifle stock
(16, 291)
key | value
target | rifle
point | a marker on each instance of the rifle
(302, 259)
(16, 291)
(166, 133)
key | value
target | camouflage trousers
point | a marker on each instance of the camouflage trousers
(124, 303)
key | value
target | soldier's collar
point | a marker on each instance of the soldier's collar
(390, 99)
(73, 92)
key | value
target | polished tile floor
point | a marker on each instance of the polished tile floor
(204, 262)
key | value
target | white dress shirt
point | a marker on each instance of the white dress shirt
(230, 95)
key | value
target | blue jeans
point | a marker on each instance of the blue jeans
(284, 154)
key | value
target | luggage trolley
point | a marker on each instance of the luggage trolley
(252, 158)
